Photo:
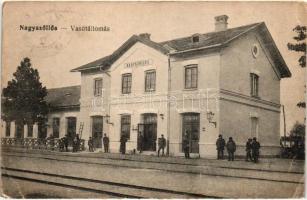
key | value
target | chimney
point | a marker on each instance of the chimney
(221, 22)
(145, 36)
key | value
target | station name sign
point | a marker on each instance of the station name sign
(139, 63)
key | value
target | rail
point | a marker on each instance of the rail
(116, 189)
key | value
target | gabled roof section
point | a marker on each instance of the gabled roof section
(274, 52)
(181, 45)
(106, 62)
(208, 39)
(64, 97)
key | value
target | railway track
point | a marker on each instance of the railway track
(114, 189)
(94, 175)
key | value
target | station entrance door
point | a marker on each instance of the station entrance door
(71, 129)
(190, 125)
(148, 130)
(97, 128)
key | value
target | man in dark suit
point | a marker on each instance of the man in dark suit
(248, 149)
(186, 145)
(123, 140)
(231, 148)
(255, 149)
(90, 144)
(65, 141)
(220, 145)
(161, 144)
(106, 142)
(140, 142)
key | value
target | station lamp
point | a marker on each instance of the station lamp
(210, 115)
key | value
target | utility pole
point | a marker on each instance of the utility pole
(168, 106)
(284, 115)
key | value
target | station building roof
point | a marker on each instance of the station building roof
(181, 45)
(64, 97)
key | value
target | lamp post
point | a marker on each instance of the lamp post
(108, 120)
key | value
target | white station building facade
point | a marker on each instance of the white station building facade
(223, 82)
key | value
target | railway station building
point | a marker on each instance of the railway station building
(223, 82)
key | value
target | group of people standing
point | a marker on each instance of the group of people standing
(105, 141)
(161, 144)
(252, 146)
(252, 149)
(64, 142)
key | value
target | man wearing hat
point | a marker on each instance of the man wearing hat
(248, 149)
(161, 144)
(90, 144)
(231, 148)
(220, 145)
(255, 149)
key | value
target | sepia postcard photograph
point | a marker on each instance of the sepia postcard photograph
(153, 99)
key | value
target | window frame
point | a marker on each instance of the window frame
(255, 53)
(195, 38)
(126, 88)
(152, 80)
(98, 88)
(254, 85)
(125, 123)
(190, 85)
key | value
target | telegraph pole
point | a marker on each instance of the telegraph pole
(284, 115)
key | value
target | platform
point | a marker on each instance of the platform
(168, 176)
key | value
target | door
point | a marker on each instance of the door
(190, 125)
(97, 128)
(56, 127)
(140, 137)
(150, 132)
(19, 130)
(71, 129)
(42, 130)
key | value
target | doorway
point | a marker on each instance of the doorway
(42, 129)
(97, 129)
(190, 125)
(71, 128)
(19, 130)
(149, 131)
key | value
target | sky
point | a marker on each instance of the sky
(55, 53)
